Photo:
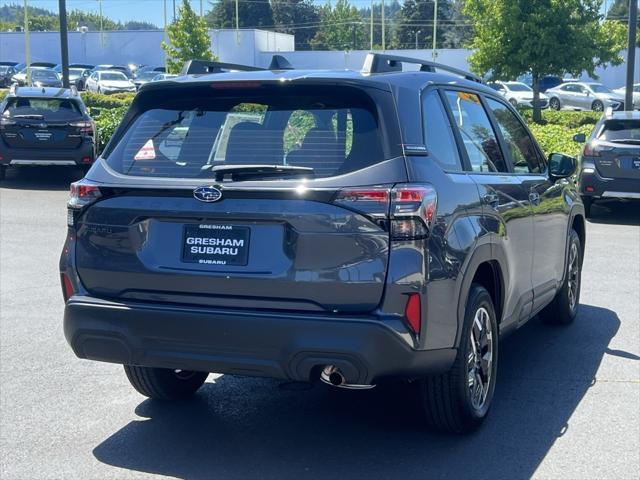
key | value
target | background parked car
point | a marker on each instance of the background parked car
(519, 94)
(144, 77)
(45, 126)
(546, 82)
(610, 163)
(40, 77)
(636, 94)
(584, 96)
(87, 66)
(78, 77)
(6, 73)
(163, 76)
(109, 81)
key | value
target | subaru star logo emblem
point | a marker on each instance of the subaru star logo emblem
(207, 194)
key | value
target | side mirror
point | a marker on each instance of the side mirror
(561, 165)
(580, 138)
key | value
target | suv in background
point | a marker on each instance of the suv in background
(45, 126)
(352, 227)
(610, 162)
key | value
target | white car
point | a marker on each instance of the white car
(636, 94)
(519, 94)
(163, 76)
(109, 81)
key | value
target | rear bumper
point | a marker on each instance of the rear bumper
(608, 187)
(46, 156)
(255, 343)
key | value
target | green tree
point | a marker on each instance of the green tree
(341, 28)
(391, 10)
(188, 39)
(541, 37)
(251, 14)
(296, 17)
(78, 18)
(416, 19)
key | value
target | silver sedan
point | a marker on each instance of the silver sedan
(584, 96)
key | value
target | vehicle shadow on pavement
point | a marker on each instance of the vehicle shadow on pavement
(41, 178)
(616, 212)
(255, 428)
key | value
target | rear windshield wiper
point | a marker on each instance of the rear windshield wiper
(246, 172)
(29, 117)
(634, 141)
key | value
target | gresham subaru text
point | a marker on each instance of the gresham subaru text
(365, 227)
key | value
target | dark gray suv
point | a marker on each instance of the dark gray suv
(352, 227)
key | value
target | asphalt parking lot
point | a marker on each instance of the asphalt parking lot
(567, 402)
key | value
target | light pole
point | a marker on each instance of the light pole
(435, 29)
(371, 29)
(166, 67)
(237, 25)
(417, 33)
(384, 43)
(27, 45)
(101, 24)
(64, 43)
(631, 54)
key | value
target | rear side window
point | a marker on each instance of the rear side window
(524, 154)
(330, 132)
(477, 134)
(623, 131)
(47, 108)
(438, 135)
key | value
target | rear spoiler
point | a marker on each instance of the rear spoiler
(203, 67)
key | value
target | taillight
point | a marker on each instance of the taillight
(6, 122)
(373, 201)
(408, 209)
(595, 150)
(81, 194)
(83, 127)
(413, 209)
(67, 286)
(413, 312)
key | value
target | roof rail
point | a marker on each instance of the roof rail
(202, 67)
(383, 63)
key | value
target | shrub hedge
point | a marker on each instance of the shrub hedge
(555, 133)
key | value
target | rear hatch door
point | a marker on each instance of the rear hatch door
(237, 199)
(619, 149)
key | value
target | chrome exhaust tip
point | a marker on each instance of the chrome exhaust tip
(331, 375)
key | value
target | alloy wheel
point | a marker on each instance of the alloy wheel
(480, 359)
(574, 276)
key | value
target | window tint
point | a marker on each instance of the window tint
(332, 133)
(623, 131)
(477, 133)
(520, 144)
(438, 135)
(48, 108)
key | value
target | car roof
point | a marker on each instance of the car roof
(43, 92)
(110, 71)
(415, 79)
(626, 115)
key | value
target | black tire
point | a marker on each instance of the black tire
(554, 103)
(587, 202)
(163, 383)
(597, 106)
(446, 399)
(564, 307)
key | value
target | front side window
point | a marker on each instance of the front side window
(519, 143)
(477, 134)
(330, 133)
(438, 135)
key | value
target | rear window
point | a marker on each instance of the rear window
(49, 108)
(619, 130)
(318, 128)
(44, 74)
(113, 76)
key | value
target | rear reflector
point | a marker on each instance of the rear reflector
(86, 160)
(67, 286)
(413, 312)
(589, 189)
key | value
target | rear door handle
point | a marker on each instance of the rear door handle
(534, 198)
(491, 199)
